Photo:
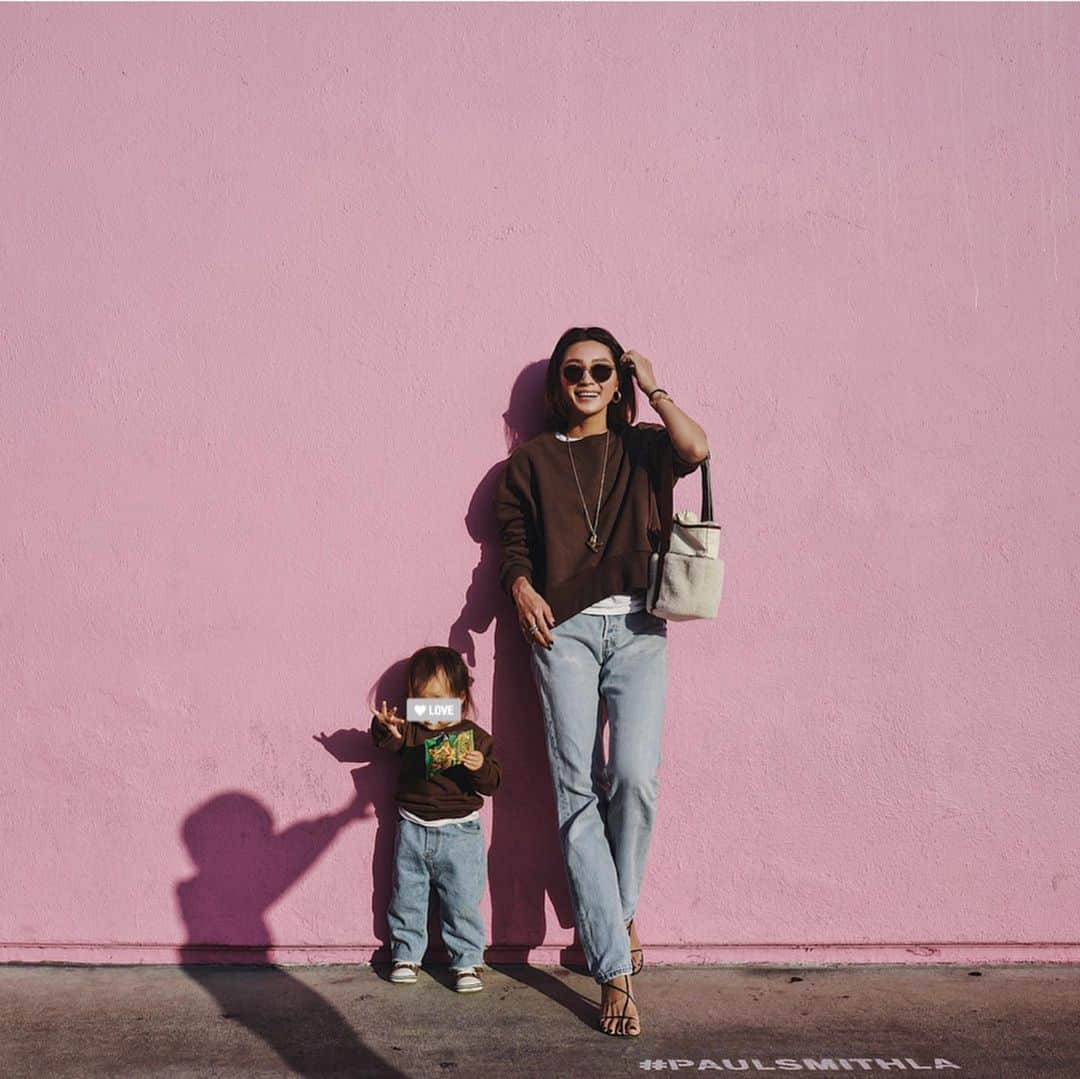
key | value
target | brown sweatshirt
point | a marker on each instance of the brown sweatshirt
(542, 525)
(454, 792)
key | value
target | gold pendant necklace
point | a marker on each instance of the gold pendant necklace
(593, 541)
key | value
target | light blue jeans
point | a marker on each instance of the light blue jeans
(605, 808)
(452, 858)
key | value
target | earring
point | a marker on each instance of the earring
(616, 397)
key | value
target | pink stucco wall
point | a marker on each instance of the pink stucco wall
(276, 283)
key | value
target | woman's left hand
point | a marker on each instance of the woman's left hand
(473, 760)
(642, 369)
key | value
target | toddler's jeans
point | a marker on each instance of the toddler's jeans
(452, 858)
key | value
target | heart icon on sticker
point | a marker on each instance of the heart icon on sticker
(419, 709)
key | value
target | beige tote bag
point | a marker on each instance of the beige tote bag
(686, 576)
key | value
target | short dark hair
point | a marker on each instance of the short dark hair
(620, 413)
(425, 663)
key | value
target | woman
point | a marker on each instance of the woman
(578, 513)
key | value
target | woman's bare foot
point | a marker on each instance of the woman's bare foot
(637, 954)
(618, 1011)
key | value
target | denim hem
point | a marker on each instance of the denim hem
(601, 978)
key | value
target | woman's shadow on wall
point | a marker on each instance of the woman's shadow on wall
(243, 866)
(525, 863)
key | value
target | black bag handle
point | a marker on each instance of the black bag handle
(666, 503)
(706, 490)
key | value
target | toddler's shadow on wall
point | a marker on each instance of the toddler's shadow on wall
(242, 868)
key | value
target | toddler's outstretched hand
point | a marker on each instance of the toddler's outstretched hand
(390, 719)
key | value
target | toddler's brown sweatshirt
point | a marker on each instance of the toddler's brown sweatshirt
(454, 792)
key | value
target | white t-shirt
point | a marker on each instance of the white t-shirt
(474, 815)
(620, 602)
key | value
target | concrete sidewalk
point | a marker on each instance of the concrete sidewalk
(1003, 1022)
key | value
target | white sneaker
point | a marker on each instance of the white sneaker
(468, 981)
(403, 973)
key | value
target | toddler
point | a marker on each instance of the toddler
(439, 839)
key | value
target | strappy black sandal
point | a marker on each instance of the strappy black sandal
(622, 1020)
(637, 955)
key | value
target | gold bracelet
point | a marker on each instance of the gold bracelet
(666, 397)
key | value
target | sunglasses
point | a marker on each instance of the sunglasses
(575, 372)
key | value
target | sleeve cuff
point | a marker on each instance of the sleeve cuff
(513, 572)
(485, 775)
